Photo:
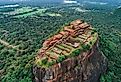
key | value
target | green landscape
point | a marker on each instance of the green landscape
(25, 28)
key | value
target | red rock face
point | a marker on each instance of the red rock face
(87, 67)
(70, 38)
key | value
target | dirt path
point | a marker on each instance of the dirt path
(7, 44)
(10, 46)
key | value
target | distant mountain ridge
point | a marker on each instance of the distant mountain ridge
(119, 7)
(61, 1)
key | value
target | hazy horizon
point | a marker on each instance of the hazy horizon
(117, 1)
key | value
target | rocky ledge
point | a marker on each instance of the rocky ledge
(72, 55)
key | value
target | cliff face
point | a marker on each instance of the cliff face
(70, 56)
(87, 67)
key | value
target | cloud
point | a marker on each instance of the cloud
(8, 6)
(95, 3)
(67, 1)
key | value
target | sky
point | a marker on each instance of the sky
(109, 1)
(60, 0)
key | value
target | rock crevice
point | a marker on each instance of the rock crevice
(76, 69)
(86, 65)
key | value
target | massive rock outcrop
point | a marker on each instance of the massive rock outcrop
(71, 56)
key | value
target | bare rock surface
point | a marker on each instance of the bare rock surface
(87, 67)
(72, 55)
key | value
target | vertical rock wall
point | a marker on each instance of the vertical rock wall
(87, 67)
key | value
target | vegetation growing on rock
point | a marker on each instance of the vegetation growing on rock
(29, 33)
(74, 39)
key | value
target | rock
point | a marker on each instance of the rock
(75, 69)
(78, 60)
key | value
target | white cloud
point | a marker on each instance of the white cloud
(6, 6)
(68, 1)
(19, 0)
(92, 2)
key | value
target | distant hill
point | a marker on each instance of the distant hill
(42, 1)
(117, 12)
(119, 7)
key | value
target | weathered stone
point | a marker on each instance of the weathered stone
(86, 67)
(88, 70)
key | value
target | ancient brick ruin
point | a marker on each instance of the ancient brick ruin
(72, 55)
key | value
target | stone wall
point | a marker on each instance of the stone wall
(87, 67)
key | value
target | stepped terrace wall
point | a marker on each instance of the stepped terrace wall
(69, 56)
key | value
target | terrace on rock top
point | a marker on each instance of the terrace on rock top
(74, 38)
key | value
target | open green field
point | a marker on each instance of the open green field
(37, 11)
(21, 38)
(29, 11)
(19, 10)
